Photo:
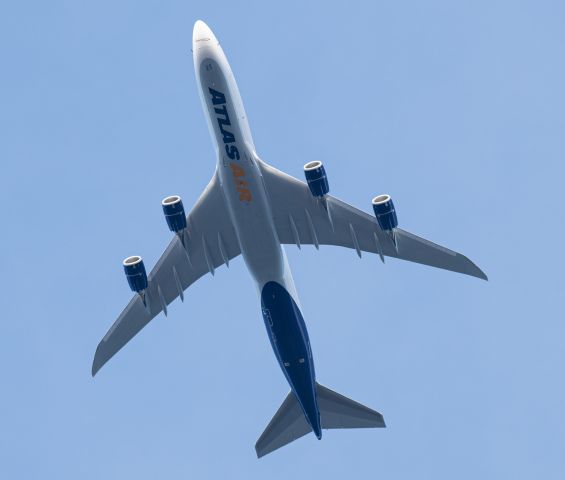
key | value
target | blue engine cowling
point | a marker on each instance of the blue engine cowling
(174, 213)
(135, 273)
(316, 177)
(385, 212)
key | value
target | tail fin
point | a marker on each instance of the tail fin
(336, 411)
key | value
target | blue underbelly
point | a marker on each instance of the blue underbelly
(289, 339)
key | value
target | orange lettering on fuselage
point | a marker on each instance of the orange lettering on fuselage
(241, 185)
(237, 170)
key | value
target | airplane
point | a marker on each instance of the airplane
(250, 208)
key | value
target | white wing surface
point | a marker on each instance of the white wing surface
(210, 241)
(302, 219)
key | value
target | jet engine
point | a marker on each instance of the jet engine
(174, 213)
(385, 212)
(315, 174)
(136, 274)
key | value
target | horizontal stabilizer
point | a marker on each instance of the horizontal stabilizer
(336, 411)
(288, 424)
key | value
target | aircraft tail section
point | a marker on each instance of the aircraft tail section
(336, 411)
(288, 424)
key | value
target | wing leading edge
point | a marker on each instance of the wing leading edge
(210, 241)
(303, 219)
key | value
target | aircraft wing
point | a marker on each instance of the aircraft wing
(210, 241)
(301, 218)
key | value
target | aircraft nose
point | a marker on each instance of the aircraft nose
(202, 33)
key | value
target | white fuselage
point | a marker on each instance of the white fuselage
(238, 166)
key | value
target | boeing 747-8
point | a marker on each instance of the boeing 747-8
(253, 209)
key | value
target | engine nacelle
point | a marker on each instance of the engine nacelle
(135, 273)
(316, 177)
(385, 212)
(174, 213)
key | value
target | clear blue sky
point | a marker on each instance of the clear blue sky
(455, 108)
